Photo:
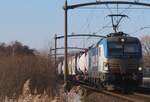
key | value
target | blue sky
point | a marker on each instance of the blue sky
(34, 22)
(31, 22)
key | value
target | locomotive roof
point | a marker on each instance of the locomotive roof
(128, 39)
(114, 37)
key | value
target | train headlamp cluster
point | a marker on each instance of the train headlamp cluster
(122, 40)
(106, 66)
(140, 68)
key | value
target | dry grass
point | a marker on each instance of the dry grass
(16, 70)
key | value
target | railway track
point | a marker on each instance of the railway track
(143, 90)
(133, 97)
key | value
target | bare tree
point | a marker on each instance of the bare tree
(146, 49)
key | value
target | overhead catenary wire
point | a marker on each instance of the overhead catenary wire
(88, 27)
(103, 26)
(116, 19)
(140, 29)
(84, 40)
(126, 9)
(109, 9)
(86, 24)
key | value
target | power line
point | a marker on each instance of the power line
(87, 22)
(106, 26)
(108, 8)
(126, 9)
(142, 28)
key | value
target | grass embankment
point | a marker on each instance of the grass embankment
(16, 70)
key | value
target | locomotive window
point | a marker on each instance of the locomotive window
(131, 48)
(115, 49)
(115, 46)
(125, 50)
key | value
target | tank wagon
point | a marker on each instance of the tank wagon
(115, 60)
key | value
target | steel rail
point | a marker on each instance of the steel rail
(143, 95)
(73, 6)
(117, 95)
(143, 90)
(125, 97)
(139, 97)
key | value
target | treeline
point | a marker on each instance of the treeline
(15, 49)
(146, 50)
(19, 63)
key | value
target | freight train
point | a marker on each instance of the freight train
(115, 60)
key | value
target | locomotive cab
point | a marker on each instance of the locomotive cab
(121, 60)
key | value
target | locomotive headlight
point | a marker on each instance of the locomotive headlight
(140, 68)
(122, 40)
(106, 66)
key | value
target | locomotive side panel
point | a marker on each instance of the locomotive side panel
(103, 52)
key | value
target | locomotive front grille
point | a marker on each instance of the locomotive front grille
(114, 67)
(131, 67)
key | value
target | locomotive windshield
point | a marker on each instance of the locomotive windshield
(115, 49)
(124, 50)
(131, 48)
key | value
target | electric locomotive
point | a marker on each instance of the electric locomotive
(116, 60)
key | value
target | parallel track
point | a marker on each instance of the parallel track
(134, 97)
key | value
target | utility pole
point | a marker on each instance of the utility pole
(55, 38)
(65, 45)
